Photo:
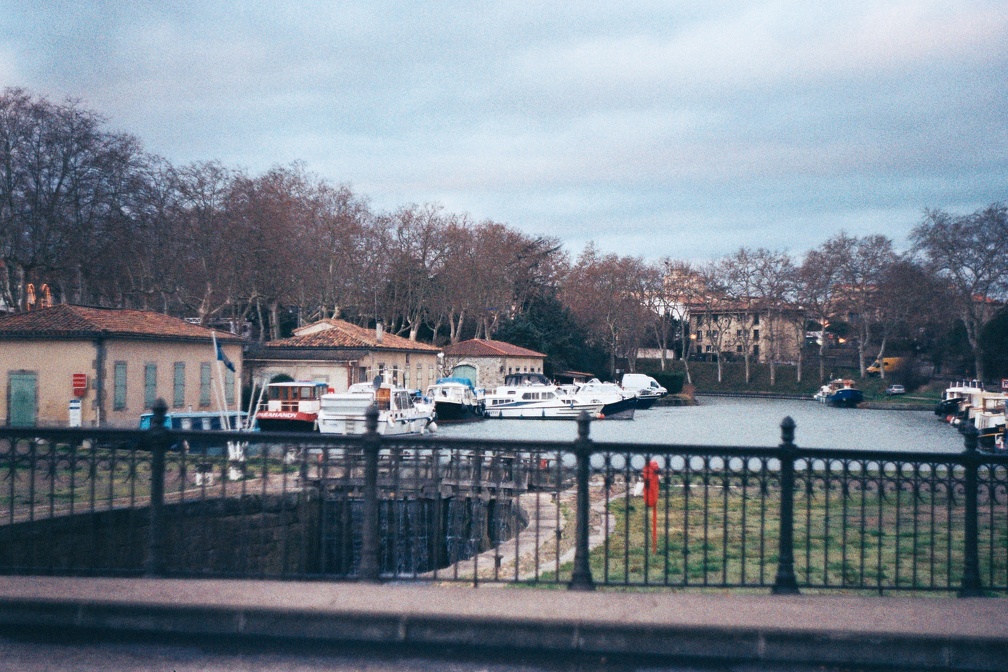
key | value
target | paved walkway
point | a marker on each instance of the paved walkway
(909, 633)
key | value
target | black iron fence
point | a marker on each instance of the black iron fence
(579, 514)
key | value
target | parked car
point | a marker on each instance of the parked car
(895, 389)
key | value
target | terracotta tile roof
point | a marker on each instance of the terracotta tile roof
(488, 348)
(341, 334)
(66, 321)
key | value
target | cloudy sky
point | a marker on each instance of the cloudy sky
(686, 128)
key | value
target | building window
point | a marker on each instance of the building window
(755, 319)
(738, 348)
(708, 348)
(755, 351)
(229, 387)
(204, 384)
(738, 332)
(119, 384)
(150, 385)
(178, 385)
(755, 334)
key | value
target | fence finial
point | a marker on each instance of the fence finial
(371, 418)
(787, 430)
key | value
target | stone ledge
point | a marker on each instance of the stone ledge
(896, 632)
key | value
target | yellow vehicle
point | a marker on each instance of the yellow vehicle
(889, 364)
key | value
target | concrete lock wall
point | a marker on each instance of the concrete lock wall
(272, 535)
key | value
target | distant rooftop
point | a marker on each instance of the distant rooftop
(67, 321)
(478, 347)
(341, 334)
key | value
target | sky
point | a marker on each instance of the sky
(683, 129)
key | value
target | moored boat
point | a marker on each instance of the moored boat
(953, 396)
(644, 387)
(290, 406)
(455, 400)
(839, 392)
(528, 395)
(989, 420)
(345, 412)
(617, 403)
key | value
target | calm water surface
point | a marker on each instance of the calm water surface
(754, 422)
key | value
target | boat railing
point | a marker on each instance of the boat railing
(569, 513)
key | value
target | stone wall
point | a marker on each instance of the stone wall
(253, 535)
(296, 534)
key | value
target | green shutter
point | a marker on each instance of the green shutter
(178, 385)
(229, 387)
(150, 385)
(204, 384)
(119, 386)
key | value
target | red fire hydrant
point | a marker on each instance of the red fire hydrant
(652, 484)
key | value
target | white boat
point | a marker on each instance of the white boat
(290, 407)
(344, 412)
(644, 387)
(455, 400)
(952, 397)
(529, 395)
(618, 404)
(988, 416)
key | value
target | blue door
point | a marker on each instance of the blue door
(22, 395)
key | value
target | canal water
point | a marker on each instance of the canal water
(726, 421)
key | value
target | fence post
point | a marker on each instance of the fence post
(785, 582)
(157, 442)
(581, 578)
(369, 566)
(971, 562)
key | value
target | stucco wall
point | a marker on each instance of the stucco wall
(340, 374)
(491, 370)
(55, 362)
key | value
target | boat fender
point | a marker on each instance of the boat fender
(390, 420)
(431, 427)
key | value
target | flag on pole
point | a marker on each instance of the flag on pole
(221, 357)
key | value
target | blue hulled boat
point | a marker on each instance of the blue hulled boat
(840, 392)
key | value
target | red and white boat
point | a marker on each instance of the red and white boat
(291, 407)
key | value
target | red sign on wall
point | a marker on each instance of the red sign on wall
(79, 384)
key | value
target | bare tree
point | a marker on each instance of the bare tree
(717, 311)
(772, 273)
(969, 251)
(740, 286)
(818, 286)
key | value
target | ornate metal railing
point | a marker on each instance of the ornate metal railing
(580, 514)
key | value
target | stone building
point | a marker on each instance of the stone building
(730, 328)
(106, 367)
(486, 362)
(340, 353)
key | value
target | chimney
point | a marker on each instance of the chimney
(379, 331)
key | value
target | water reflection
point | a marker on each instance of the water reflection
(747, 422)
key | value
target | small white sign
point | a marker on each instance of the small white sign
(75, 413)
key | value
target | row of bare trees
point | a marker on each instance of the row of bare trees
(858, 287)
(89, 213)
